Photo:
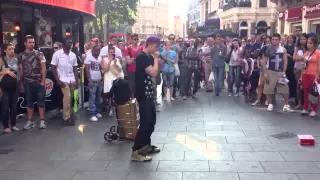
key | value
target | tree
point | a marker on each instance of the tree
(114, 12)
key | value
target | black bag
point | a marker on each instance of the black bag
(229, 55)
(8, 82)
(120, 91)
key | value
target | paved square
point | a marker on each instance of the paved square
(207, 138)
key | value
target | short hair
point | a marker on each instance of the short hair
(28, 37)
(66, 39)
(172, 35)
(134, 35)
(113, 37)
(96, 46)
(218, 36)
(110, 47)
(277, 35)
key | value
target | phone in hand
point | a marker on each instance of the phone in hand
(113, 56)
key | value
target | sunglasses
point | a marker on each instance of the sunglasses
(55, 47)
(171, 38)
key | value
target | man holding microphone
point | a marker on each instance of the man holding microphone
(146, 68)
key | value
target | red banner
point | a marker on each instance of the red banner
(294, 14)
(85, 6)
(313, 11)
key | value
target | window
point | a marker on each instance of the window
(263, 3)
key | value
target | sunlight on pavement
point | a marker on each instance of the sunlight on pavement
(200, 147)
(81, 128)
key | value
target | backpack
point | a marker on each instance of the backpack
(7, 82)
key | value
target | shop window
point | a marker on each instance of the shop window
(244, 24)
(263, 3)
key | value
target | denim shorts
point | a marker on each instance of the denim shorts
(168, 79)
(35, 92)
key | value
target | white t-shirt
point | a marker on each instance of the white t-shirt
(94, 67)
(104, 52)
(65, 63)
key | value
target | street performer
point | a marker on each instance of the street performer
(146, 68)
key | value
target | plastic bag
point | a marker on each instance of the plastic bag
(211, 77)
(176, 69)
(75, 100)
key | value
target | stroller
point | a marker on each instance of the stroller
(126, 113)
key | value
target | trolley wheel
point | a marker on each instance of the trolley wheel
(113, 129)
(108, 137)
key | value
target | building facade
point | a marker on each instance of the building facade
(248, 17)
(193, 13)
(152, 19)
(298, 15)
(210, 8)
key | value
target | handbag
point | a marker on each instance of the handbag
(8, 82)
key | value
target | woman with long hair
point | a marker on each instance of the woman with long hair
(9, 66)
(236, 57)
(298, 57)
(311, 74)
(267, 42)
(290, 67)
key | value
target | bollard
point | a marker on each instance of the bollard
(81, 94)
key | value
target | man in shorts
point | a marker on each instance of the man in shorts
(32, 68)
(275, 75)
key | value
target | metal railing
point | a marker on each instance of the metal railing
(234, 4)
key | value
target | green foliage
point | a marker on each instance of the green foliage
(117, 11)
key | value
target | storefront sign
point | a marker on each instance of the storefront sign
(294, 14)
(313, 11)
(85, 6)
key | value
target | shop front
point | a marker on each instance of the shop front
(294, 19)
(312, 16)
(48, 21)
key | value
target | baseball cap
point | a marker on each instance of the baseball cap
(153, 40)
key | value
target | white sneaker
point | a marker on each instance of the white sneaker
(304, 112)
(256, 103)
(43, 124)
(312, 114)
(29, 125)
(99, 115)
(287, 108)
(270, 107)
(236, 95)
(94, 119)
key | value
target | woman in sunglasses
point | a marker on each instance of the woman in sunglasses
(57, 46)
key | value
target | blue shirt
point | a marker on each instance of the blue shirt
(168, 67)
(275, 58)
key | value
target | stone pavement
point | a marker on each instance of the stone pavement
(209, 138)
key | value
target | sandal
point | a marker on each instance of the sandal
(7, 130)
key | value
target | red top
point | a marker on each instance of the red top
(132, 53)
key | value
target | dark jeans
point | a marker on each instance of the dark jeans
(35, 92)
(218, 78)
(182, 79)
(254, 81)
(234, 75)
(148, 116)
(9, 108)
(196, 80)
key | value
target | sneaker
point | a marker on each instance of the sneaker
(164, 99)
(236, 95)
(270, 107)
(99, 115)
(312, 114)
(217, 94)
(194, 96)
(256, 103)
(43, 124)
(230, 94)
(137, 156)
(7, 130)
(94, 119)
(15, 128)
(172, 99)
(184, 98)
(29, 125)
(149, 149)
(287, 108)
(304, 112)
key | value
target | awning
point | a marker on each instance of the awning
(294, 14)
(85, 6)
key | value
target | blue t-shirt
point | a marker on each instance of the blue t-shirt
(168, 66)
(275, 58)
